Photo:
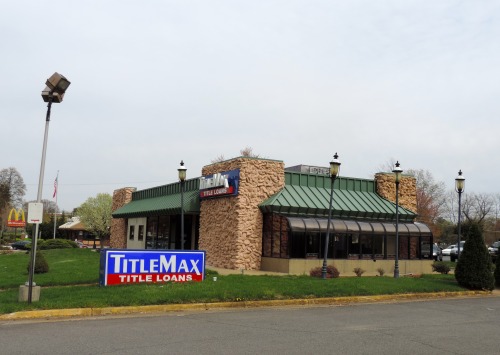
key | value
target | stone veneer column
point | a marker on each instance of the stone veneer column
(118, 238)
(231, 227)
(386, 187)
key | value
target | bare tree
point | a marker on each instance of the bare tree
(430, 196)
(431, 201)
(248, 152)
(218, 159)
(387, 167)
(476, 207)
(245, 152)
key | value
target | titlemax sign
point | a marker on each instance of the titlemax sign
(150, 266)
(220, 184)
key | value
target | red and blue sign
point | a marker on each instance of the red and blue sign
(220, 184)
(123, 266)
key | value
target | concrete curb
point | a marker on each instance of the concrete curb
(333, 301)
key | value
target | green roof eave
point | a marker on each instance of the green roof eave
(315, 201)
(163, 205)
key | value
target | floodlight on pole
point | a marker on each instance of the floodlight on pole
(57, 85)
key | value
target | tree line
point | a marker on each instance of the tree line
(94, 213)
(436, 207)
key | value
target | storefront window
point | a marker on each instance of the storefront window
(140, 235)
(131, 232)
(295, 237)
(151, 234)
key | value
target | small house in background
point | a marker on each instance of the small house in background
(74, 229)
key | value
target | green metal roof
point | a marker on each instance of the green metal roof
(162, 200)
(309, 195)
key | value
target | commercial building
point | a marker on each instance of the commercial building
(253, 214)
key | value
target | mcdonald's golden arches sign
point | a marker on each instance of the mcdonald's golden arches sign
(16, 218)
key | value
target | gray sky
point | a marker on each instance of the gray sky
(154, 82)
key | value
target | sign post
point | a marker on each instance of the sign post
(35, 216)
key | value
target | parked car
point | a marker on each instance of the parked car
(454, 252)
(81, 245)
(493, 250)
(447, 251)
(436, 252)
(21, 245)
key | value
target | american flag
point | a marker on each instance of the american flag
(55, 188)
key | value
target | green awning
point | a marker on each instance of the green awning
(298, 224)
(163, 205)
(314, 201)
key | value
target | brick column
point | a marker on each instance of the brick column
(231, 227)
(386, 187)
(118, 238)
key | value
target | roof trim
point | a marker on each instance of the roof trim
(296, 200)
(163, 205)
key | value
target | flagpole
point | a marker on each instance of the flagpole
(55, 195)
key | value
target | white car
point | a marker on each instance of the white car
(447, 251)
(454, 252)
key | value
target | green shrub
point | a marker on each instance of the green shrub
(56, 244)
(41, 265)
(440, 267)
(358, 271)
(474, 267)
(331, 272)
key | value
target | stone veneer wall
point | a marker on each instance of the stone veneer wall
(118, 238)
(386, 187)
(231, 227)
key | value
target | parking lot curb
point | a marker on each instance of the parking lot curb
(332, 301)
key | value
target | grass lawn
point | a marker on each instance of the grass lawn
(72, 282)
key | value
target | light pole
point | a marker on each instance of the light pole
(182, 177)
(459, 187)
(53, 93)
(397, 177)
(334, 171)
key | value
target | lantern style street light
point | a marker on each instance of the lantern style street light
(182, 178)
(57, 85)
(397, 177)
(459, 187)
(334, 171)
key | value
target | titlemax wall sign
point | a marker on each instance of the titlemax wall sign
(220, 184)
(123, 266)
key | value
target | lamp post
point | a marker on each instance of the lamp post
(334, 171)
(397, 177)
(182, 177)
(459, 187)
(57, 85)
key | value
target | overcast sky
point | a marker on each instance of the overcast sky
(154, 82)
